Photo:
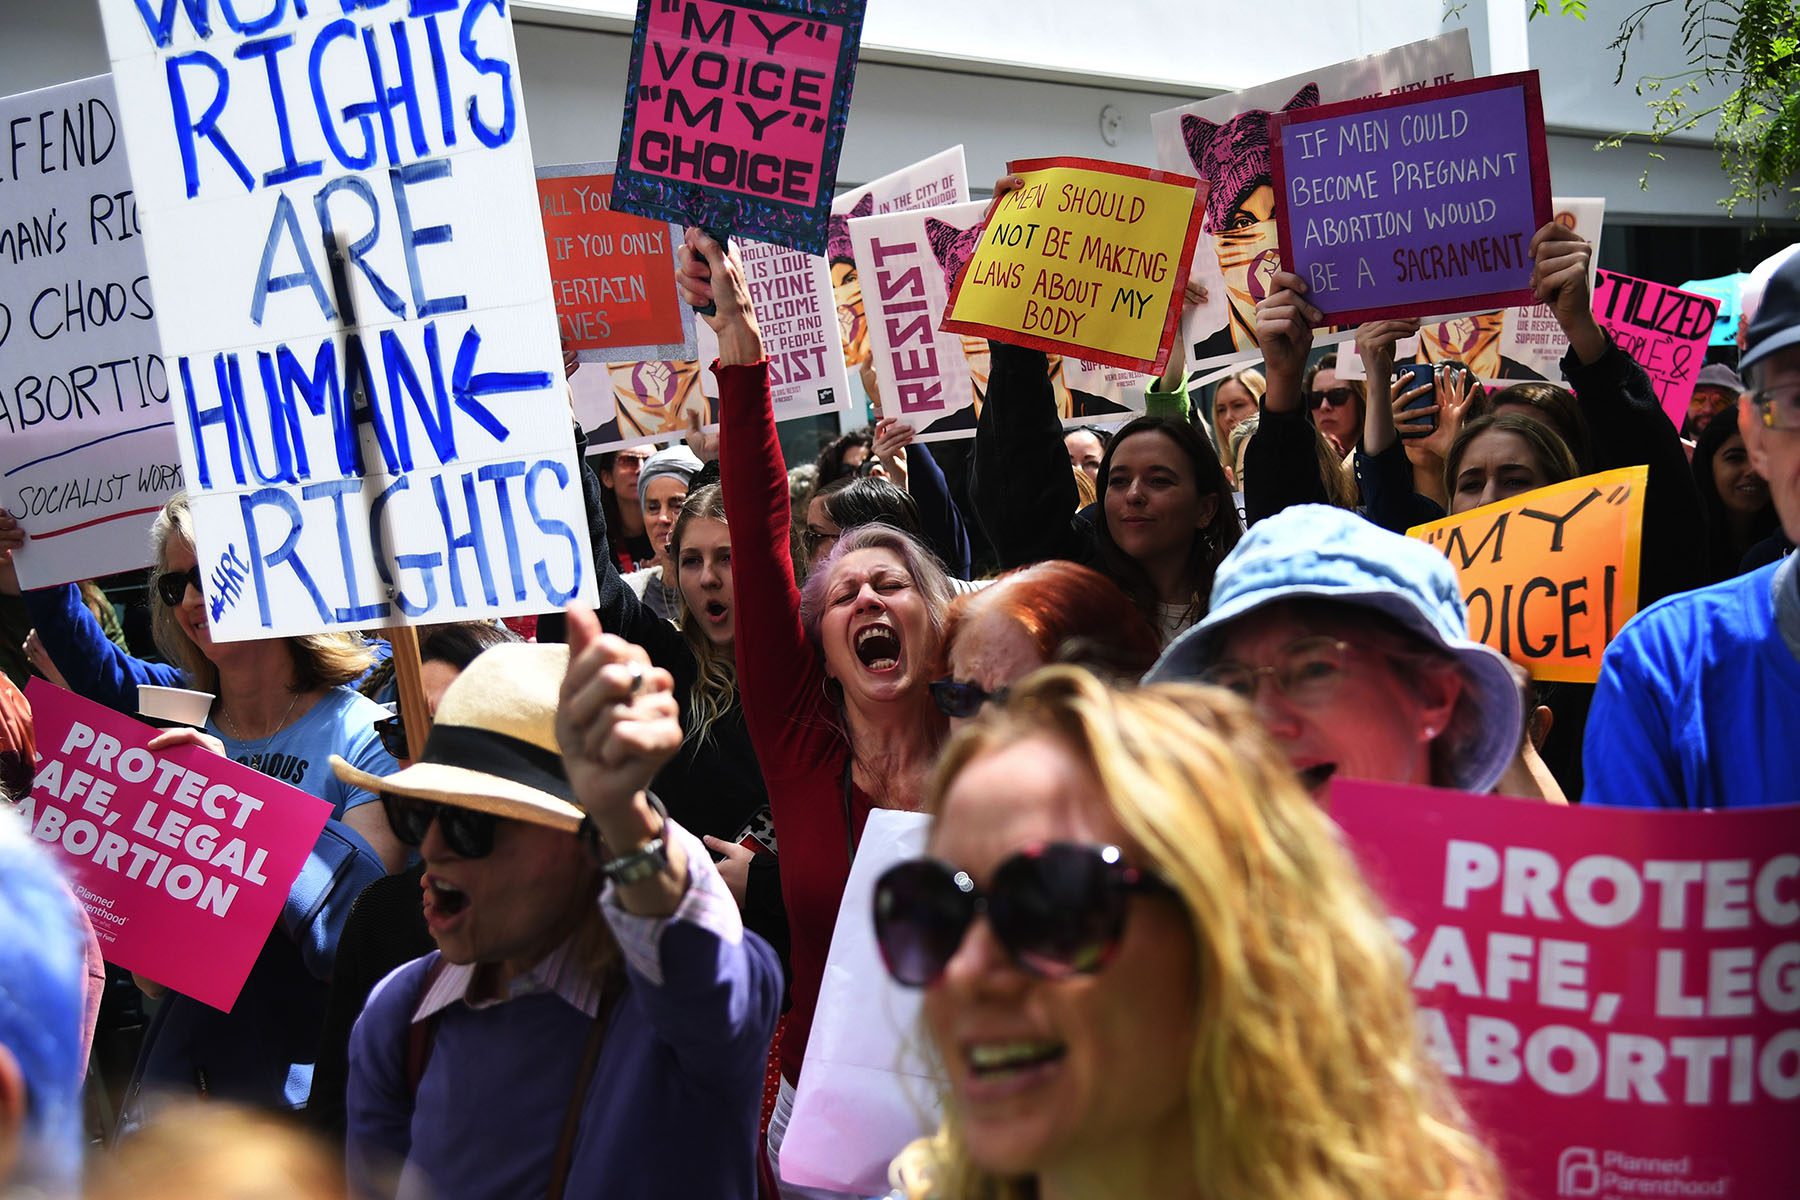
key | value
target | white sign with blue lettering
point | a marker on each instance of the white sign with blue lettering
(342, 226)
(87, 433)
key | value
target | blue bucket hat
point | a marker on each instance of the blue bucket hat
(1319, 552)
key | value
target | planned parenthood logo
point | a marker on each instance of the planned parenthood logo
(1583, 1172)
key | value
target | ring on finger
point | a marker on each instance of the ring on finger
(637, 680)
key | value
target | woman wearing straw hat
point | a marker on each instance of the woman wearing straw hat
(595, 1009)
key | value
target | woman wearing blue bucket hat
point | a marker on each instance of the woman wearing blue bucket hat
(1353, 644)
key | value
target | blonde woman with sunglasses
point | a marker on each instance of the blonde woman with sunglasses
(1151, 970)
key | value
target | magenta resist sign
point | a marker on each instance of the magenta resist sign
(1416, 204)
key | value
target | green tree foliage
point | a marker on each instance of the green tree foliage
(1752, 48)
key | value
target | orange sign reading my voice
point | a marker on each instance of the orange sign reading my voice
(1550, 576)
(612, 275)
(1087, 258)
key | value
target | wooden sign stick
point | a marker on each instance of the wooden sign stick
(415, 713)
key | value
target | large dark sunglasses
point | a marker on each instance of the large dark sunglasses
(959, 698)
(1058, 909)
(468, 833)
(1336, 397)
(392, 732)
(172, 586)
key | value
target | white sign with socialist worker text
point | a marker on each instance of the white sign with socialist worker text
(87, 441)
(341, 217)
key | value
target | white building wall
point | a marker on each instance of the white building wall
(1010, 80)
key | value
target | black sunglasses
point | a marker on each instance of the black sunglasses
(392, 732)
(172, 586)
(1058, 909)
(468, 833)
(959, 698)
(1336, 397)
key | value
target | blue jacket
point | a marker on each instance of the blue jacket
(1698, 704)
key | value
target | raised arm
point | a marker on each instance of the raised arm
(918, 472)
(1281, 464)
(780, 682)
(93, 664)
(710, 992)
(1023, 486)
(1626, 421)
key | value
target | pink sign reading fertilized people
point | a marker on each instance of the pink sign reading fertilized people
(1615, 992)
(182, 859)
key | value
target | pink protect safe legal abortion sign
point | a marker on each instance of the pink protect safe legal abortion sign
(182, 858)
(1614, 992)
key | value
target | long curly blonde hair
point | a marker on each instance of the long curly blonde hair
(1307, 1079)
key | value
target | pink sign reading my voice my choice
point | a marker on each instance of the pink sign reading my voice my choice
(1616, 993)
(182, 859)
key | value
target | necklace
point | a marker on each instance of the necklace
(237, 732)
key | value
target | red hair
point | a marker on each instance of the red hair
(1071, 613)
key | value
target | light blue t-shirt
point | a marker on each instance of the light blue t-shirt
(1698, 704)
(341, 723)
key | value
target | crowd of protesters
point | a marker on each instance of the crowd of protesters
(577, 945)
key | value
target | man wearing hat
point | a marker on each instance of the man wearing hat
(662, 486)
(1715, 391)
(1698, 703)
(595, 1020)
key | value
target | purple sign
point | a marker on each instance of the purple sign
(1416, 204)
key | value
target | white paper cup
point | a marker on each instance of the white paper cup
(174, 704)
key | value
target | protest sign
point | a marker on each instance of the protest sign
(355, 306)
(1531, 342)
(934, 380)
(1225, 142)
(87, 437)
(1664, 329)
(622, 404)
(868, 1087)
(923, 373)
(1550, 576)
(1724, 289)
(1115, 385)
(941, 180)
(1087, 258)
(613, 274)
(182, 858)
(1612, 992)
(1506, 345)
(1405, 206)
(792, 295)
(734, 115)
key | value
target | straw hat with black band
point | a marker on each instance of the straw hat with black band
(493, 742)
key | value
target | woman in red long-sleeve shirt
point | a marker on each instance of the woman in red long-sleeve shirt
(835, 684)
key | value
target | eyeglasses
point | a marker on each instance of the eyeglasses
(1780, 409)
(1308, 671)
(818, 542)
(392, 732)
(468, 833)
(172, 586)
(960, 698)
(1336, 397)
(1058, 909)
